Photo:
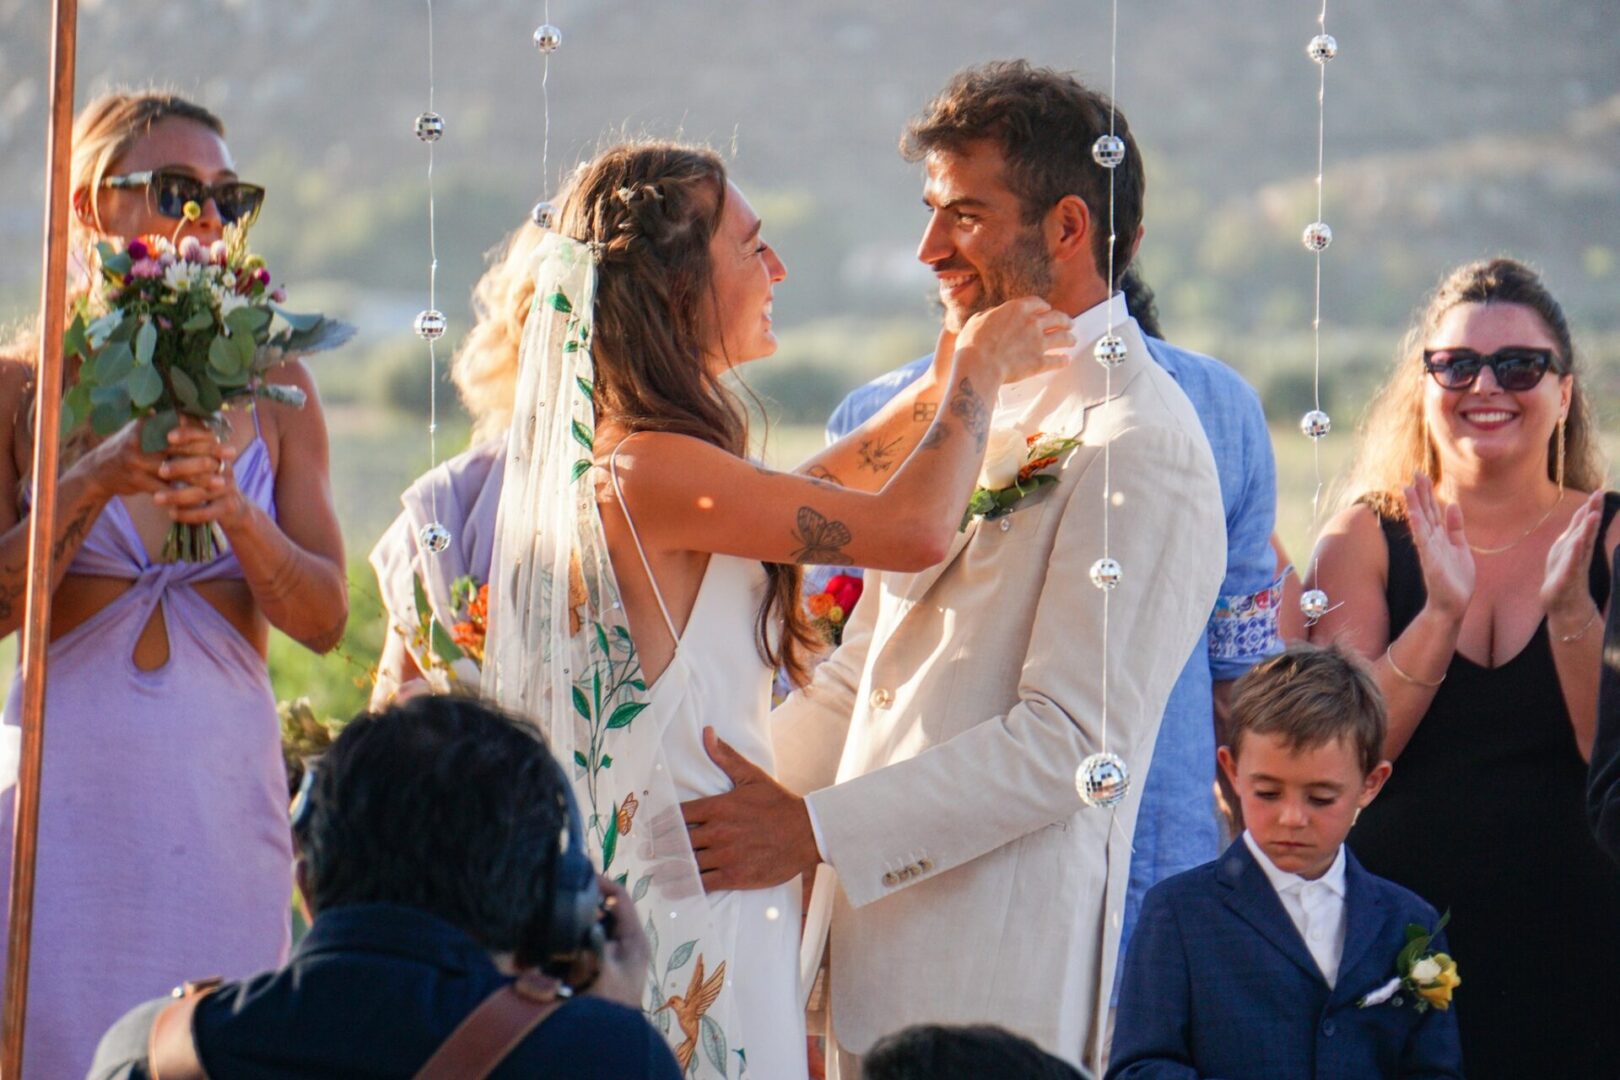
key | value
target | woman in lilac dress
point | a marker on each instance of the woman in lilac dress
(163, 843)
(462, 493)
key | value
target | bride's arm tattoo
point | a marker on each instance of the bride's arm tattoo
(823, 475)
(971, 409)
(924, 411)
(821, 542)
(877, 455)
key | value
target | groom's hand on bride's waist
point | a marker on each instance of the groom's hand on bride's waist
(754, 836)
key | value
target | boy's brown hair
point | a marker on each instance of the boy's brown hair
(1309, 696)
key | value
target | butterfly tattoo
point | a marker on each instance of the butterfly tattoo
(821, 541)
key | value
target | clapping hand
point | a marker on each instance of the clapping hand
(1564, 593)
(1442, 548)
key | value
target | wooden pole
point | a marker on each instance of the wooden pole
(41, 532)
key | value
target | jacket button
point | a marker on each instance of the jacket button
(881, 698)
(891, 878)
(1006, 524)
(1328, 1028)
(925, 864)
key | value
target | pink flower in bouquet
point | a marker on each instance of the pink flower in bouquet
(262, 276)
(192, 251)
(137, 249)
(278, 295)
(217, 253)
(145, 267)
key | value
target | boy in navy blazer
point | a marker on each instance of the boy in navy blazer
(1277, 961)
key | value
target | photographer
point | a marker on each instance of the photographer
(433, 850)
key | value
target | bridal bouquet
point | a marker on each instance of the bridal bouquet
(450, 658)
(171, 330)
(830, 609)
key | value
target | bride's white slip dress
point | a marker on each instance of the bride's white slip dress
(718, 679)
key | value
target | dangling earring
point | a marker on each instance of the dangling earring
(1558, 468)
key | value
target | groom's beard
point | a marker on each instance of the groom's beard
(1024, 269)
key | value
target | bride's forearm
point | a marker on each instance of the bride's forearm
(866, 459)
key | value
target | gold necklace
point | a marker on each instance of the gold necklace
(1557, 500)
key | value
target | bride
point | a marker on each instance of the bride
(646, 573)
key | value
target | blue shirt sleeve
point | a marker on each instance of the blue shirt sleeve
(1243, 629)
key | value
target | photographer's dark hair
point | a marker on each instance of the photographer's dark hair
(940, 1052)
(444, 804)
(1045, 122)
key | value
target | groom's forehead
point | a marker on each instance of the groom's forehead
(968, 175)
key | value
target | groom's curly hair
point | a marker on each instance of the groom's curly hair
(1045, 122)
(650, 208)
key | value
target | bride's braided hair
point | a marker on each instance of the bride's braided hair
(649, 210)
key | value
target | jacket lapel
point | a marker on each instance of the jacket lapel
(1366, 912)
(1250, 896)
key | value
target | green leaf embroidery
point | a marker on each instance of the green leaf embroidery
(581, 467)
(558, 302)
(583, 435)
(625, 713)
(579, 759)
(714, 1043)
(585, 387)
(643, 883)
(581, 704)
(601, 639)
(623, 879)
(610, 842)
(680, 956)
(607, 762)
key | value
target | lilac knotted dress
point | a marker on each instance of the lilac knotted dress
(164, 849)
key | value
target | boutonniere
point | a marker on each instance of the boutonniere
(830, 609)
(1429, 977)
(1015, 465)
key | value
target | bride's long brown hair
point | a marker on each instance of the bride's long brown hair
(650, 209)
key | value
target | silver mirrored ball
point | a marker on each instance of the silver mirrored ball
(1313, 603)
(433, 537)
(1108, 151)
(1102, 780)
(1315, 424)
(429, 127)
(1105, 573)
(547, 38)
(543, 214)
(1317, 236)
(1322, 48)
(429, 325)
(1110, 351)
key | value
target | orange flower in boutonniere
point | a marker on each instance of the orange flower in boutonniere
(1014, 466)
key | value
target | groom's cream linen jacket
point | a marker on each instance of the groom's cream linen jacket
(938, 747)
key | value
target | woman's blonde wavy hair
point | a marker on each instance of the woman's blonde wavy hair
(485, 367)
(1394, 441)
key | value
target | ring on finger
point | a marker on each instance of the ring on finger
(220, 471)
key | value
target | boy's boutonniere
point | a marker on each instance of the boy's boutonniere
(1429, 977)
(1014, 466)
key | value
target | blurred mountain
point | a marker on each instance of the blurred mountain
(1454, 129)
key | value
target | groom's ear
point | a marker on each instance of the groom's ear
(1068, 229)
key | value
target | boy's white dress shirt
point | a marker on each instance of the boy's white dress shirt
(1315, 907)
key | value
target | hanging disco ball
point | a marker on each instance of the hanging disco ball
(543, 214)
(1322, 48)
(1108, 151)
(1105, 573)
(1317, 236)
(429, 127)
(1314, 604)
(1315, 424)
(430, 325)
(547, 38)
(1110, 351)
(1102, 780)
(433, 537)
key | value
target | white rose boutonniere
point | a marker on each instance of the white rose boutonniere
(1426, 977)
(1015, 465)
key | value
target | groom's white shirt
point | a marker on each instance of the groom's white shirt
(938, 747)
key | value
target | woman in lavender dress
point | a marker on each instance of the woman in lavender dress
(461, 494)
(163, 843)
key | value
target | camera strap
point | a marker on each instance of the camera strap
(488, 1035)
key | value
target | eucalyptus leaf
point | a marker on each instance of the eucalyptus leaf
(75, 407)
(74, 340)
(115, 361)
(145, 386)
(325, 334)
(247, 320)
(145, 342)
(282, 394)
(116, 262)
(222, 355)
(101, 329)
(202, 320)
(209, 399)
(185, 389)
(155, 431)
(107, 417)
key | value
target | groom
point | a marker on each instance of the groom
(932, 762)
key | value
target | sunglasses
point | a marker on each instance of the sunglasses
(1516, 368)
(171, 190)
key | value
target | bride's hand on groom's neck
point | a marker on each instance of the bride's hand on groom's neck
(754, 836)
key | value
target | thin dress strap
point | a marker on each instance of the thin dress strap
(658, 594)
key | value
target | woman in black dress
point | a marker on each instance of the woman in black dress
(1472, 570)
